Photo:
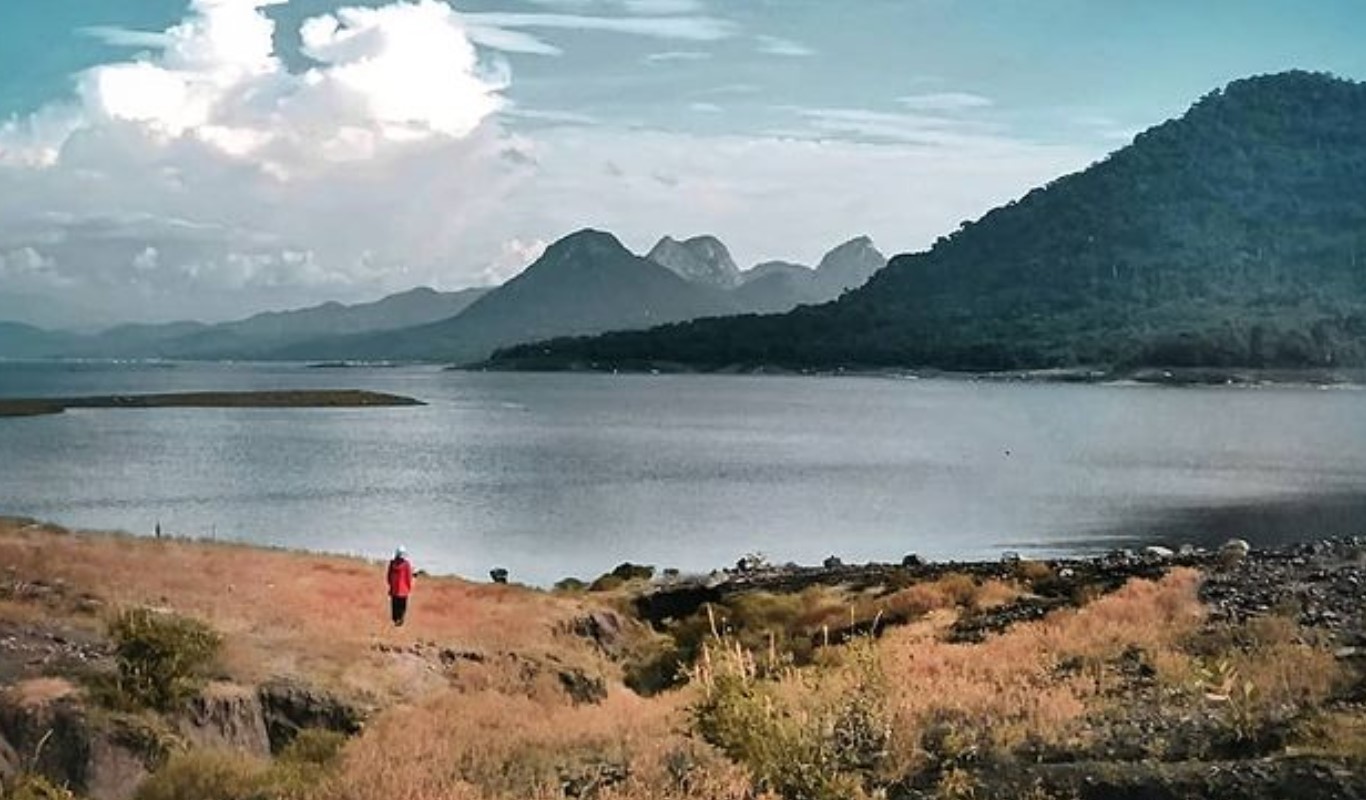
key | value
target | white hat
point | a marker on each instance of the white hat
(401, 552)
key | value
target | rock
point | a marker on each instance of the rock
(582, 688)
(499, 575)
(290, 706)
(588, 780)
(1235, 550)
(226, 716)
(602, 627)
(52, 734)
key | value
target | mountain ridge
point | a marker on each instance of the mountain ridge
(1234, 234)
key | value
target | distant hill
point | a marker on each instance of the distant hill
(18, 340)
(701, 259)
(778, 286)
(585, 283)
(1232, 236)
(254, 337)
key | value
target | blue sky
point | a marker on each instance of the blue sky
(167, 157)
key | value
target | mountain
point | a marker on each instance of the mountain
(777, 286)
(1234, 235)
(585, 283)
(848, 266)
(261, 334)
(18, 340)
(701, 259)
(771, 268)
(271, 331)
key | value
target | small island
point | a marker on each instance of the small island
(310, 398)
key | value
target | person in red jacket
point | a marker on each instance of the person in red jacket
(400, 584)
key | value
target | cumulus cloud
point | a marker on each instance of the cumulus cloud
(206, 166)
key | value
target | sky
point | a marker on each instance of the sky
(169, 159)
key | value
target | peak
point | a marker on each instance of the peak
(588, 237)
(858, 247)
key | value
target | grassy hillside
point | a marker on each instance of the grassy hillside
(1029, 680)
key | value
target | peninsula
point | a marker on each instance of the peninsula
(310, 398)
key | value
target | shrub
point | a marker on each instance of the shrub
(316, 746)
(570, 585)
(208, 775)
(606, 583)
(219, 775)
(29, 786)
(823, 742)
(161, 657)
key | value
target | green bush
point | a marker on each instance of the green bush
(29, 786)
(161, 657)
(570, 585)
(219, 775)
(208, 775)
(828, 745)
(314, 746)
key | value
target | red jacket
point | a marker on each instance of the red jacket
(400, 578)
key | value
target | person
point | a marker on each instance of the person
(400, 585)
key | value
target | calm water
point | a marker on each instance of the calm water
(555, 475)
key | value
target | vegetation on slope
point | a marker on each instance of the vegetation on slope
(1232, 236)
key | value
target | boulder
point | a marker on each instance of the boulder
(290, 706)
(226, 716)
(51, 732)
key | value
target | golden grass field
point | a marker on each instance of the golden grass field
(493, 729)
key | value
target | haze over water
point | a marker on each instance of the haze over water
(556, 475)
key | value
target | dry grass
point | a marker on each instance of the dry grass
(489, 745)
(293, 613)
(499, 727)
(1007, 690)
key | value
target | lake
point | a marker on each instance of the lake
(569, 474)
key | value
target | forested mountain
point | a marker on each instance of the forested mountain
(585, 283)
(1234, 235)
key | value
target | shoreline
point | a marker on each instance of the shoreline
(324, 398)
(1233, 377)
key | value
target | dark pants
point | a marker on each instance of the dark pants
(399, 607)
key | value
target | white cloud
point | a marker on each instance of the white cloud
(125, 37)
(904, 194)
(646, 7)
(677, 55)
(663, 6)
(514, 255)
(778, 46)
(202, 170)
(945, 101)
(696, 29)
